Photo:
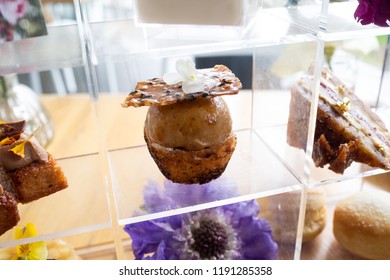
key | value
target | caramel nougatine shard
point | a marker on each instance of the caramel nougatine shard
(220, 81)
(347, 129)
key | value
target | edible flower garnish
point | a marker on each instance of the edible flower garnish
(192, 81)
(7, 141)
(345, 104)
(373, 11)
(29, 251)
(19, 148)
(227, 232)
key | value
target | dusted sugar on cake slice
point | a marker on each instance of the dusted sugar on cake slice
(347, 129)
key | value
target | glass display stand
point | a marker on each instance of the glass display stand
(100, 145)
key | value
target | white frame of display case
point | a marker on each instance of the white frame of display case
(94, 50)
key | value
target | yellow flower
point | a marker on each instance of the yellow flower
(29, 251)
(19, 148)
(7, 141)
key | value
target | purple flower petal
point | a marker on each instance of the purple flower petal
(160, 252)
(242, 209)
(256, 238)
(167, 238)
(373, 11)
(188, 195)
(147, 236)
(175, 195)
(155, 199)
(364, 13)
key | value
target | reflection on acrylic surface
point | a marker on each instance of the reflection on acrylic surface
(232, 231)
(21, 19)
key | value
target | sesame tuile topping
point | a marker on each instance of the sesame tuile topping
(219, 81)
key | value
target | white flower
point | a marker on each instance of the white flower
(192, 80)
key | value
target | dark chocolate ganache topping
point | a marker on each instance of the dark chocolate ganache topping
(11, 135)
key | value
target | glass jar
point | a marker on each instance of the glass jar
(19, 102)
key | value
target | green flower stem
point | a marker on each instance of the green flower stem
(3, 87)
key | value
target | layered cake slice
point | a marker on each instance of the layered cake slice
(27, 172)
(9, 214)
(347, 129)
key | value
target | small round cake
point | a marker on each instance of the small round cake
(315, 214)
(59, 249)
(188, 127)
(282, 212)
(195, 147)
(361, 224)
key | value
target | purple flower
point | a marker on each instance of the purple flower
(175, 195)
(373, 11)
(227, 232)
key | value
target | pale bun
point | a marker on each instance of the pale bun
(361, 224)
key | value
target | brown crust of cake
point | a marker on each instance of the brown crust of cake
(38, 180)
(192, 167)
(6, 183)
(9, 214)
